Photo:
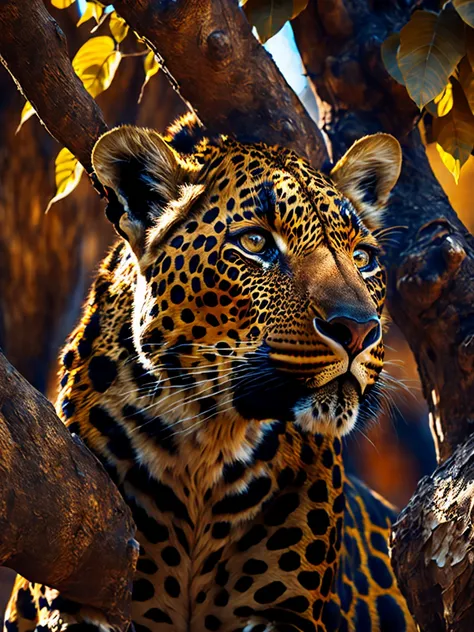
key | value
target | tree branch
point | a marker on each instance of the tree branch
(75, 501)
(33, 48)
(232, 82)
(433, 545)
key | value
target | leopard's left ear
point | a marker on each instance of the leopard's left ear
(143, 174)
(367, 173)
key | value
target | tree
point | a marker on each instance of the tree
(219, 67)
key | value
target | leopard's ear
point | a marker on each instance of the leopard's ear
(142, 175)
(367, 173)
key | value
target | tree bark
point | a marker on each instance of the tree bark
(434, 546)
(34, 50)
(53, 491)
(430, 291)
(232, 82)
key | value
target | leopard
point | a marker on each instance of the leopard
(232, 338)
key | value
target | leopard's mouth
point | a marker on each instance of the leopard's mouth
(305, 358)
(288, 387)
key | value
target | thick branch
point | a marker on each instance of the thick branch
(34, 50)
(80, 526)
(433, 545)
(232, 82)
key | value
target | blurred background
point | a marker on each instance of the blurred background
(47, 261)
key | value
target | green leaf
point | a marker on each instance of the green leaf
(389, 52)
(269, 16)
(68, 174)
(465, 8)
(26, 113)
(466, 79)
(431, 46)
(96, 62)
(454, 133)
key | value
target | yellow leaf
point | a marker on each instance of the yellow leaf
(452, 164)
(92, 10)
(118, 27)
(26, 113)
(431, 46)
(62, 4)
(151, 67)
(445, 100)
(68, 174)
(443, 103)
(269, 16)
(454, 133)
(96, 62)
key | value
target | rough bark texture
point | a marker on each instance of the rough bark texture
(232, 82)
(34, 50)
(74, 501)
(434, 546)
(430, 286)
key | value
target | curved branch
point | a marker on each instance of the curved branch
(33, 48)
(80, 525)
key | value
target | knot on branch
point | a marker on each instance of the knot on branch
(288, 129)
(427, 272)
(219, 47)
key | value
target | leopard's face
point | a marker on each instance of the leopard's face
(259, 292)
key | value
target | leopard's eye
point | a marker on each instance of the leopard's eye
(254, 243)
(362, 258)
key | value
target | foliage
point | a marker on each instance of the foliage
(269, 16)
(95, 63)
(433, 57)
(68, 174)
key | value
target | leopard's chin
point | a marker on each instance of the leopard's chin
(332, 409)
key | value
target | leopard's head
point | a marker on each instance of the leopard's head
(259, 290)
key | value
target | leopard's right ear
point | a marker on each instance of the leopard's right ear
(142, 174)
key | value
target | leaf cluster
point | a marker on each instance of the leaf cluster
(433, 57)
(95, 63)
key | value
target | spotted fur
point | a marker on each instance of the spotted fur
(207, 380)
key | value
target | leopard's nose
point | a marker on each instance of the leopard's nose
(353, 335)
